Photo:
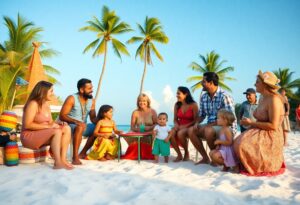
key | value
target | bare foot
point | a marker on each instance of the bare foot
(236, 169)
(213, 164)
(82, 156)
(186, 157)
(178, 159)
(66, 163)
(109, 157)
(102, 159)
(203, 161)
(61, 166)
(225, 169)
(76, 162)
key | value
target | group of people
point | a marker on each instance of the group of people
(258, 149)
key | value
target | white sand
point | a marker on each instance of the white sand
(128, 182)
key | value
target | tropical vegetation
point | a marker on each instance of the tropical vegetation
(210, 64)
(287, 82)
(151, 31)
(15, 53)
(105, 29)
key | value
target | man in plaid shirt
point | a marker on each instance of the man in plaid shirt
(211, 102)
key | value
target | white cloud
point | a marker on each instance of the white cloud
(154, 103)
(169, 97)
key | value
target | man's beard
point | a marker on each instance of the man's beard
(87, 95)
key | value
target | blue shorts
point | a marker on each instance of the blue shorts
(161, 147)
(89, 130)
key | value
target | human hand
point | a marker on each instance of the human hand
(62, 123)
(245, 121)
(167, 140)
(196, 126)
(54, 125)
(217, 142)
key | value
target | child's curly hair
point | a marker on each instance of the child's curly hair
(227, 115)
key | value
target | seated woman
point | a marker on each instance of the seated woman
(260, 149)
(143, 119)
(39, 129)
(185, 115)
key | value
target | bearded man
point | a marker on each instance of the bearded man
(75, 111)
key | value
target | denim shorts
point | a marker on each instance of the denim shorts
(89, 130)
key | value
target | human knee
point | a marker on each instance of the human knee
(57, 132)
(80, 128)
(209, 133)
(66, 129)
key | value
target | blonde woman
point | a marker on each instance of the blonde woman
(39, 129)
(143, 119)
(260, 149)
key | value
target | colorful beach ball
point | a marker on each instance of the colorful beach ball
(8, 121)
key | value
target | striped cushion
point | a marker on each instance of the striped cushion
(29, 156)
(1, 155)
(8, 121)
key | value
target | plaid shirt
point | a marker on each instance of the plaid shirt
(210, 107)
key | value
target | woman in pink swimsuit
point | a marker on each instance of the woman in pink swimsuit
(185, 115)
(39, 129)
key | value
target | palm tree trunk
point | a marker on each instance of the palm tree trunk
(102, 72)
(144, 73)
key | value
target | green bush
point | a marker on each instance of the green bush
(55, 115)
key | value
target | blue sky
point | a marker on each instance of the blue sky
(250, 35)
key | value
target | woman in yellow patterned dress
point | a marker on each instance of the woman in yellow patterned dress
(106, 145)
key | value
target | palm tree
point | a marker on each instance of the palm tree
(286, 82)
(152, 31)
(15, 54)
(210, 64)
(105, 29)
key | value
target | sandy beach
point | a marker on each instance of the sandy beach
(127, 182)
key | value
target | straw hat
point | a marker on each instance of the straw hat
(270, 79)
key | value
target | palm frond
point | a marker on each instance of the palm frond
(195, 78)
(135, 39)
(121, 28)
(120, 46)
(140, 51)
(153, 48)
(51, 70)
(141, 29)
(91, 45)
(100, 48)
(196, 86)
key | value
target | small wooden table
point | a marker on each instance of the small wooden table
(137, 135)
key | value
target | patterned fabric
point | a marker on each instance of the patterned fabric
(8, 121)
(30, 156)
(106, 130)
(11, 154)
(103, 146)
(2, 155)
(260, 151)
(209, 107)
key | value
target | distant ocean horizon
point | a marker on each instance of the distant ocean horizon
(126, 128)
